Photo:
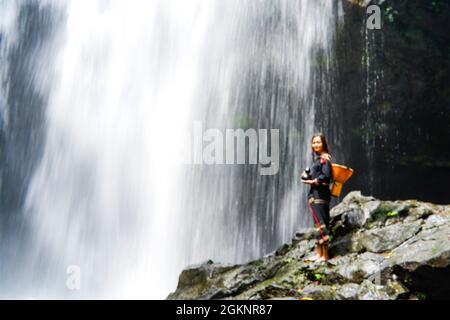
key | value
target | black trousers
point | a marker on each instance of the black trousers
(321, 215)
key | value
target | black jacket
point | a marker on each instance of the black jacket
(321, 169)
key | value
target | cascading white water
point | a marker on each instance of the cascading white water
(101, 198)
(265, 73)
(126, 81)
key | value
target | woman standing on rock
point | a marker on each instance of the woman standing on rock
(319, 194)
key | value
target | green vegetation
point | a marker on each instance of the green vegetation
(318, 276)
(391, 214)
(422, 296)
(390, 13)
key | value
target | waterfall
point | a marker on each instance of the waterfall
(264, 75)
(122, 83)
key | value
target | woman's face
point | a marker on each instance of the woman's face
(317, 145)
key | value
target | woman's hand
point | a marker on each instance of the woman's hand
(311, 182)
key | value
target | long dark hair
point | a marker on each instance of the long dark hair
(324, 144)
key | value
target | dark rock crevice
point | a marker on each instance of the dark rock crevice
(426, 282)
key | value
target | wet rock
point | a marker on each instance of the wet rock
(388, 238)
(380, 250)
(430, 247)
(354, 210)
(319, 292)
(435, 220)
(349, 243)
(349, 291)
(370, 291)
(359, 267)
(301, 249)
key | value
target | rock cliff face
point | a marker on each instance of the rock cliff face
(386, 82)
(380, 250)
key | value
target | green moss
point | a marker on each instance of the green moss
(391, 214)
(436, 249)
(289, 260)
(315, 275)
(318, 276)
(333, 229)
(422, 296)
(330, 238)
(289, 267)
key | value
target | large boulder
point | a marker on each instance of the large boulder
(380, 250)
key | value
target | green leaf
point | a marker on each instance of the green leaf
(391, 214)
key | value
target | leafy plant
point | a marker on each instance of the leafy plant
(318, 276)
(390, 13)
(422, 296)
(391, 214)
